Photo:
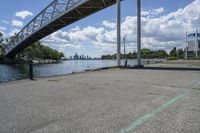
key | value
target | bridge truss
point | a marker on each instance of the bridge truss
(55, 16)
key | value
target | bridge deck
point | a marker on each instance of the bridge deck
(52, 19)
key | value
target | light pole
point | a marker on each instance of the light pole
(124, 39)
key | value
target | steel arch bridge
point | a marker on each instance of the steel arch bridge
(55, 16)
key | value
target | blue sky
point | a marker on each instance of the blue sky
(153, 10)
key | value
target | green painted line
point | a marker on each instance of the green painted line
(150, 115)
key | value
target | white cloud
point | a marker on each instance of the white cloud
(23, 14)
(152, 12)
(3, 28)
(17, 23)
(14, 31)
(109, 24)
(158, 32)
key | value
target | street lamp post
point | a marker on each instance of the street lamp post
(124, 39)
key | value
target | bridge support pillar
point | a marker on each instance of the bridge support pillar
(31, 70)
(139, 34)
(118, 33)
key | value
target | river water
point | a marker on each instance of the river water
(17, 72)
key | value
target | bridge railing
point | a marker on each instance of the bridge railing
(46, 16)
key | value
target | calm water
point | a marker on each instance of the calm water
(17, 72)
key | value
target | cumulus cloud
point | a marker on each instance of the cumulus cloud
(109, 24)
(152, 12)
(75, 38)
(17, 23)
(14, 31)
(158, 32)
(23, 14)
(3, 28)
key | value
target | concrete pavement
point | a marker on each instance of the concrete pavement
(108, 101)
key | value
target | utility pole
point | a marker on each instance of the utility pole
(118, 33)
(139, 33)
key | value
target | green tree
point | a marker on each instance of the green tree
(146, 53)
(1, 52)
(173, 52)
(39, 51)
(160, 54)
(109, 57)
(1, 38)
(180, 53)
(132, 55)
(1, 45)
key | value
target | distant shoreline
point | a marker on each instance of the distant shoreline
(45, 61)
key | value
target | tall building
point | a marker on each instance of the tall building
(80, 57)
(76, 57)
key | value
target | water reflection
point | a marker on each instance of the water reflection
(16, 72)
(13, 72)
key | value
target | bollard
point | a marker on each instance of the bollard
(31, 70)
(126, 62)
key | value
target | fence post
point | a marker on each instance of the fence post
(31, 70)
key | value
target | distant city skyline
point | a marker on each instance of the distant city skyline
(79, 57)
(164, 24)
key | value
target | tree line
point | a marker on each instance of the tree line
(151, 54)
(1, 45)
(40, 51)
(34, 51)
